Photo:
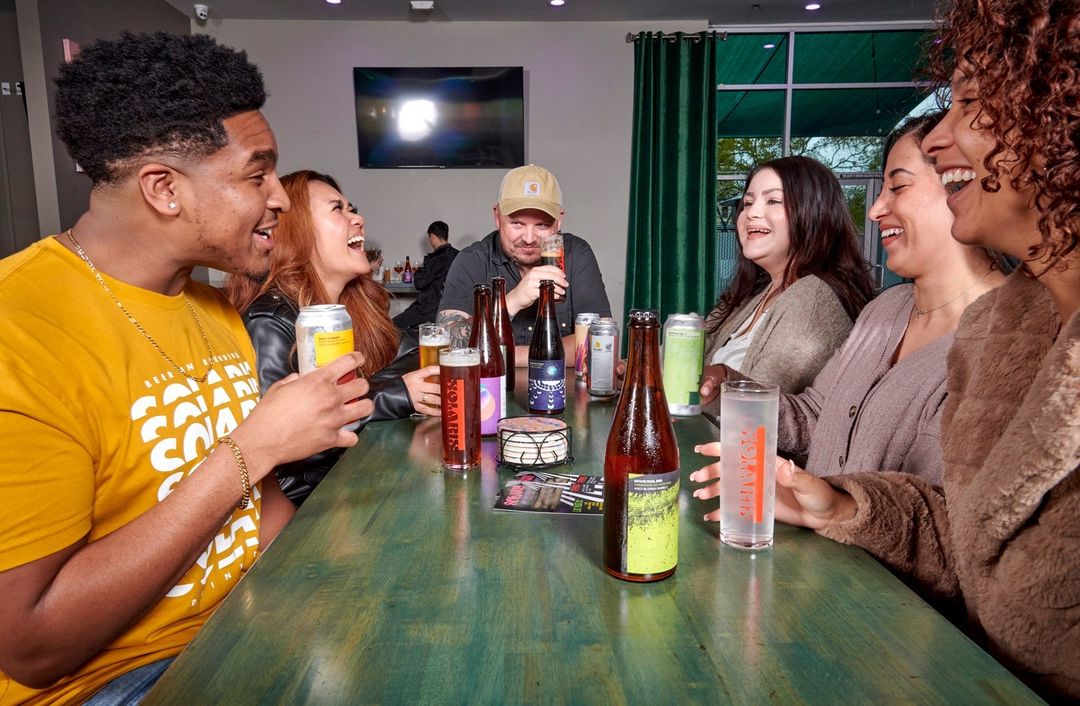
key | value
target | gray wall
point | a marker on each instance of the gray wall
(63, 194)
(579, 96)
(18, 206)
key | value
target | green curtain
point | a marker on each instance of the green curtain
(671, 260)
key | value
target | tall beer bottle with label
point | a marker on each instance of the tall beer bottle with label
(492, 368)
(641, 467)
(547, 367)
(500, 316)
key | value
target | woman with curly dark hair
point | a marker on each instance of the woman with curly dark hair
(799, 280)
(319, 258)
(1003, 534)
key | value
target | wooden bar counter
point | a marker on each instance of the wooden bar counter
(397, 583)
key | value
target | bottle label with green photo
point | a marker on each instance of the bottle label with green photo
(652, 522)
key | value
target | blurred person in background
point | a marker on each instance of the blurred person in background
(429, 279)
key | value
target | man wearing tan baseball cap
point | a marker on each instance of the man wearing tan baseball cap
(529, 207)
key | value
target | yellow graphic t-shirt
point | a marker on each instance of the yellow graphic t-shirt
(96, 428)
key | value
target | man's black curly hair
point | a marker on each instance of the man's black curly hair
(151, 94)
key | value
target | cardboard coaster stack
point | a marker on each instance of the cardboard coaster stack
(534, 442)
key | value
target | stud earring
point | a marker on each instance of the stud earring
(172, 205)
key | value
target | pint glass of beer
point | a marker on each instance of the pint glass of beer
(552, 253)
(433, 338)
(748, 416)
(459, 386)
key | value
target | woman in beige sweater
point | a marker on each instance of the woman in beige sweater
(799, 279)
(1003, 534)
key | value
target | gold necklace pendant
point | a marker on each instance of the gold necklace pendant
(139, 327)
(919, 313)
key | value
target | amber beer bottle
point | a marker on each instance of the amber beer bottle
(407, 273)
(547, 367)
(641, 467)
(500, 316)
(492, 368)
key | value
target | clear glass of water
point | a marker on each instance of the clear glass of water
(748, 416)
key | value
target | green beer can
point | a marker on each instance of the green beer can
(684, 350)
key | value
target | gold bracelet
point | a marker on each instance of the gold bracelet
(245, 500)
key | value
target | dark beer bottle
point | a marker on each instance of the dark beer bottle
(641, 467)
(547, 367)
(492, 368)
(500, 316)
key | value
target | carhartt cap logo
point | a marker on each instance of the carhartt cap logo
(532, 188)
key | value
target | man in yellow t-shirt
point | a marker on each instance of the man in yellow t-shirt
(133, 443)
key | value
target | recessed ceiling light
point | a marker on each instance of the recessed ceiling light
(813, 6)
(557, 3)
(770, 45)
(333, 2)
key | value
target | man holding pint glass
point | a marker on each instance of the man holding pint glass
(528, 216)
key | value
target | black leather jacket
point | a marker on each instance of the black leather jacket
(271, 323)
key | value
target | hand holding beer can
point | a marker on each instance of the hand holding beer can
(324, 333)
(459, 388)
(748, 418)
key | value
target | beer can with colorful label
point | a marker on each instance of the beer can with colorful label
(324, 333)
(581, 336)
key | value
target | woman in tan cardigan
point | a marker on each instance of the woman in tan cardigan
(799, 279)
(1003, 534)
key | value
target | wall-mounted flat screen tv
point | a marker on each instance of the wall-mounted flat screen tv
(440, 117)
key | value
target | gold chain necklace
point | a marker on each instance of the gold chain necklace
(919, 313)
(134, 322)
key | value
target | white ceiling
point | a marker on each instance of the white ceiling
(717, 12)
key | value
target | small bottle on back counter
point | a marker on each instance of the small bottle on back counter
(547, 367)
(407, 273)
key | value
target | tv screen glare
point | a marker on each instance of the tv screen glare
(440, 117)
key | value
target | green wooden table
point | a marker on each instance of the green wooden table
(397, 583)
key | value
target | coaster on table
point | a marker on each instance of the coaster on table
(533, 442)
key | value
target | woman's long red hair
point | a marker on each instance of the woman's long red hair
(292, 274)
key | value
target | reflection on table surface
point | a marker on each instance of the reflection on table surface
(398, 583)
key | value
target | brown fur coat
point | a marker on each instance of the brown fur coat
(1008, 541)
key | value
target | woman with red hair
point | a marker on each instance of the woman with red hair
(319, 258)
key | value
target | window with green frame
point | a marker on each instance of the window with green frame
(847, 90)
